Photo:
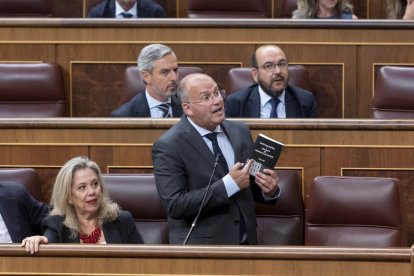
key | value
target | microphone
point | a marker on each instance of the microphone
(202, 201)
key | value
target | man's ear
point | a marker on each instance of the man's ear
(187, 109)
(146, 77)
(255, 74)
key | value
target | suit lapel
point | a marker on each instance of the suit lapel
(111, 233)
(142, 9)
(176, 107)
(141, 108)
(232, 135)
(197, 142)
(254, 104)
(110, 10)
(292, 110)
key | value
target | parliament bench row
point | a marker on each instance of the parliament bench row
(175, 9)
(37, 89)
(341, 211)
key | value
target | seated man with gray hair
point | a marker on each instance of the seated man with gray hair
(158, 68)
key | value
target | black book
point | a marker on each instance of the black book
(266, 153)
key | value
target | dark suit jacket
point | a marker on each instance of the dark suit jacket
(21, 213)
(245, 103)
(138, 107)
(121, 230)
(145, 8)
(183, 164)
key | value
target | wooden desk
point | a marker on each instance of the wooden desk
(204, 260)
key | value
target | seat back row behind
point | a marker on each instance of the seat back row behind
(281, 224)
(29, 90)
(341, 211)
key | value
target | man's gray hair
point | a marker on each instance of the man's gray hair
(151, 53)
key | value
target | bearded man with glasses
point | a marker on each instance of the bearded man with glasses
(271, 96)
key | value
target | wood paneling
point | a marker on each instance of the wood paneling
(327, 85)
(69, 8)
(207, 260)
(26, 53)
(93, 54)
(96, 89)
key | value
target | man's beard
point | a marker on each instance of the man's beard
(267, 88)
(170, 92)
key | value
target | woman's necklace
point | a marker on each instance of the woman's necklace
(92, 237)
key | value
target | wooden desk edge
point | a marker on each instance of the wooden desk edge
(145, 123)
(216, 252)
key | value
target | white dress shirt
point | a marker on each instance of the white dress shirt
(119, 10)
(266, 107)
(228, 152)
(4, 233)
(153, 103)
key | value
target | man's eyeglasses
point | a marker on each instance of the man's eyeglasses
(208, 98)
(271, 67)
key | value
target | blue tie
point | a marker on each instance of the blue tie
(274, 102)
(165, 108)
(126, 15)
(216, 149)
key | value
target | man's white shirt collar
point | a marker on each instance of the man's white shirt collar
(266, 107)
(152, 102)
(265, 98)
(4, 233)
(202, 130)
(119, 10)
(153, 106)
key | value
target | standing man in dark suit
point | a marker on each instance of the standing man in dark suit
(20, 214)
(184, 158)
(158, 67)
(271, 96)
(126, 9)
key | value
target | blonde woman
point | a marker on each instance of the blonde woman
(400, 9)
(82, 211)
(324, 9)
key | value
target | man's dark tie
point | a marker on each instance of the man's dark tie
(165, 108)
(222, 161)
(216, 149)
(274, 102)
(126, 15)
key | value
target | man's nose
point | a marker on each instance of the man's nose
(277, 70)
(174, 75)
(216, 99)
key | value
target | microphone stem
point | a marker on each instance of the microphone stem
(202, 201)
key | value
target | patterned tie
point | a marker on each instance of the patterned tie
(126, 15)
(274, 102)
(216, 149)
(165, 108)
